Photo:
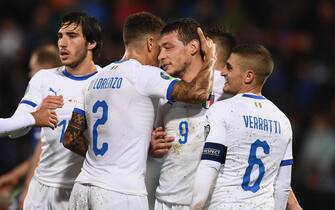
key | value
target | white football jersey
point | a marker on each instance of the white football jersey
(258, 137)
(58, 166)
(120, 113)
(186, 122)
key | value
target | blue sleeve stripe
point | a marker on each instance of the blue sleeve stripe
(215, 152)
(170, 89)
(28, 102)
(286, 162)
(79, 111)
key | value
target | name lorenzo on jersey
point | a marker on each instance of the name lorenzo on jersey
(105, 83)
(271, 126)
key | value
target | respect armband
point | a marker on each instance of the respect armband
(215, 152)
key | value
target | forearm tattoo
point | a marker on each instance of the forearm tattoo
(74, 138)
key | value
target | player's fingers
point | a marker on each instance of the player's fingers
(159, 129)
(159, 134)
(169, 139)
(201, 37)
(160, 153)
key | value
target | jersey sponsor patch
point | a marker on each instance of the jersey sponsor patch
(215, 152)
(164, 75)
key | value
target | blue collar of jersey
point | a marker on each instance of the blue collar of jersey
(78, 78)
(253, 96)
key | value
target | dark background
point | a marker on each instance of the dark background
(299, 33)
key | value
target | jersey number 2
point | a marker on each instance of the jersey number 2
(103, 149)
(253, 160)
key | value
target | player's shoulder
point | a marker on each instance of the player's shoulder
(47, 73)
(278, 111)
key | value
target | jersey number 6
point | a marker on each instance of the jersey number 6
(253, 160)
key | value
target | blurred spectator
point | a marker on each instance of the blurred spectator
(317, 163)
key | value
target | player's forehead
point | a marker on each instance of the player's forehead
(233, 59)
(70, 27)
(169, 38)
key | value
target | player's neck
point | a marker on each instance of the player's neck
(192, 69)
(251, 89)
(83, 68)
(133, 54)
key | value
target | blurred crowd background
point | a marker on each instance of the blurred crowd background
(299, 33)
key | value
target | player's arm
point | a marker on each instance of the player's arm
(282, 186)
(207, 173)
(74, 138)
(292, 202)
(283, 180)
(212, 159)
(10, 179)
(199, 89)
(42, 117)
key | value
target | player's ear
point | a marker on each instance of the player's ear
(150, 43)
(91, 45)
(194, 46)
(249, 76)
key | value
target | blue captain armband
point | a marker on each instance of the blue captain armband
(215, 152)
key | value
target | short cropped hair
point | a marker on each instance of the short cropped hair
(256, 57)
(186, 29)
(140, 24)
(224, 40)
(90, 27)
(47, 54)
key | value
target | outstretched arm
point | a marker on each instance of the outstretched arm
(199, 89)
(74, 138)
(25, 117)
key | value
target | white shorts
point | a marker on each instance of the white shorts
(42, 197)
(160, 205)
(85, 197)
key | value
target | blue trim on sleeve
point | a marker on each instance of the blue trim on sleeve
(215, 152)
(78, 78)
(253, 96)
(286, 162)
(28, 102)
(170, 89)
(79, 111)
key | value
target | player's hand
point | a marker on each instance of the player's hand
(45, 118)
(208, 49)
(8, 181)
(52, 102)
(160, 143)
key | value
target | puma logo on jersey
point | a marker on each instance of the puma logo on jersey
(53, 91)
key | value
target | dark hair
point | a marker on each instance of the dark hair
(186, 29)
(257, 57)
(90, 27)
(224, 40)
(47, 53)
(140, 24)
